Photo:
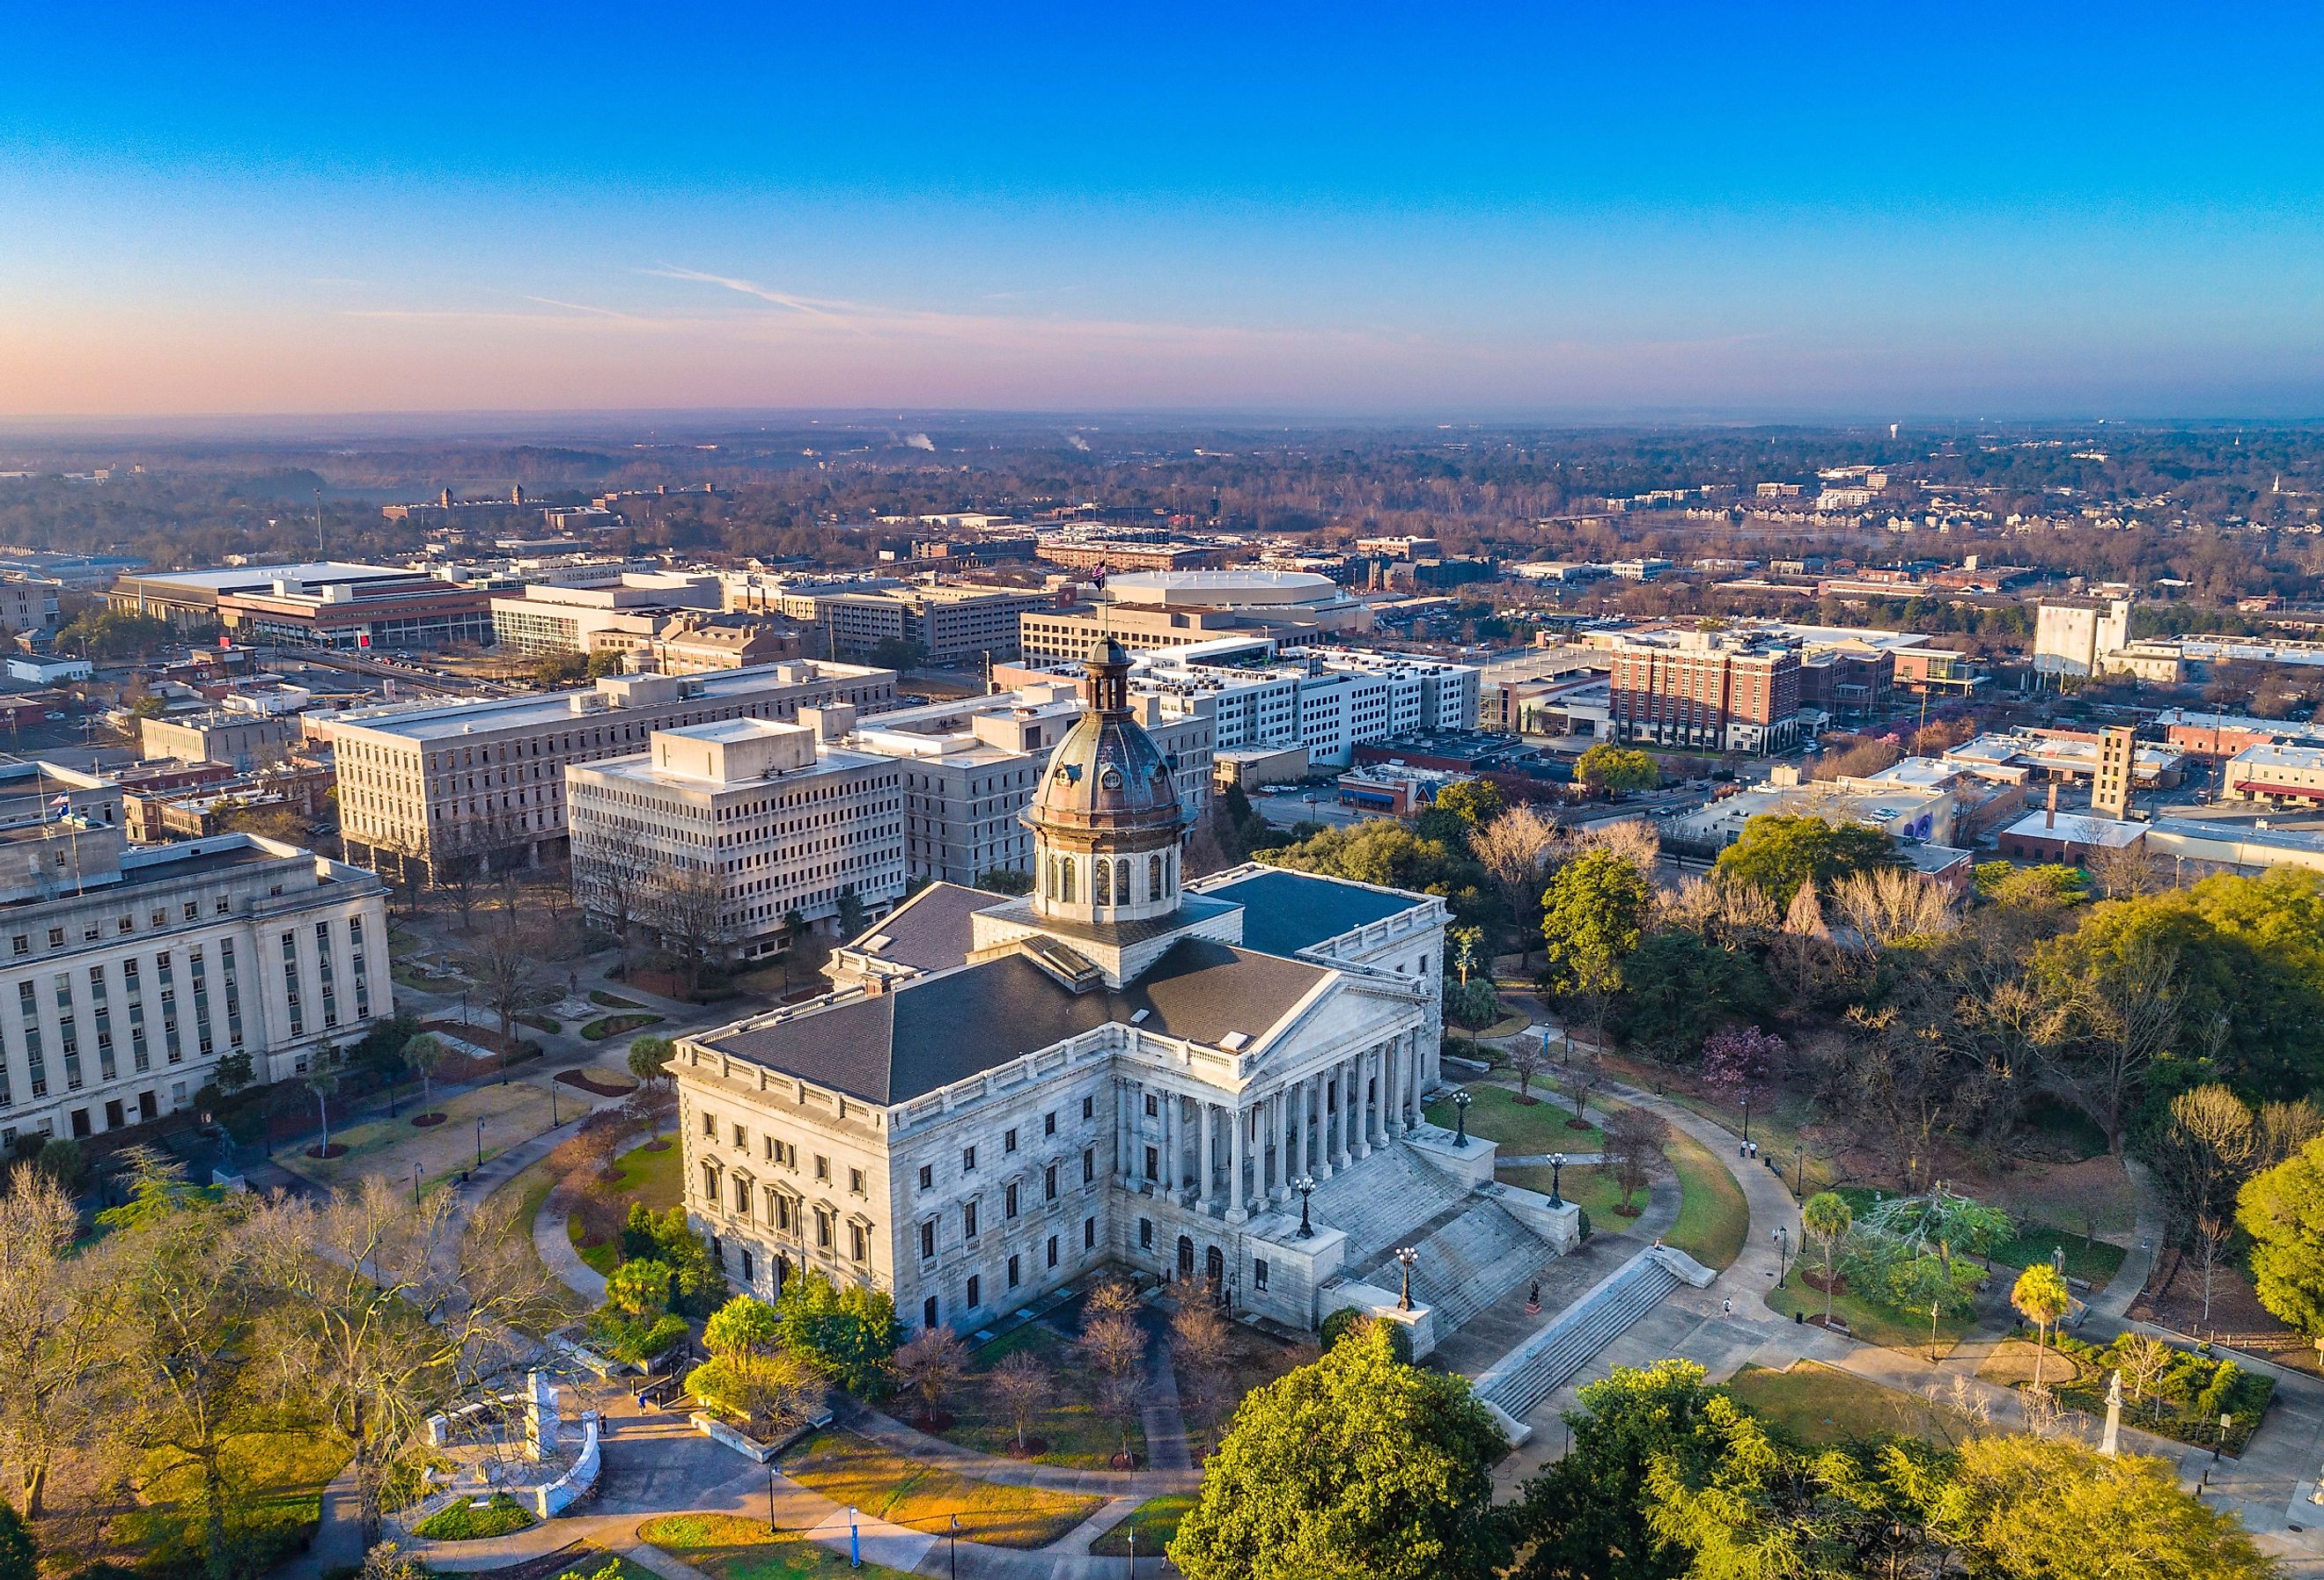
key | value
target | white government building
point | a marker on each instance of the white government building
(1003, 1095)
(127, 974)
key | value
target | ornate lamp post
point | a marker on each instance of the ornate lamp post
(1406, 1255)
(1800, 1180)
(1556, 1167)
(1305, 1186)
(480, 1142)
(1461, 1101)
(1782, 1235)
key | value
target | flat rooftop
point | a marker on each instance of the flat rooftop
(1284, 912)
(541, 709)
(240, 578)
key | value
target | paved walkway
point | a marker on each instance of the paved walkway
(1730, 1325)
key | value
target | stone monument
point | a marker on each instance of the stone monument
(540, 1416)
(2111, 1443)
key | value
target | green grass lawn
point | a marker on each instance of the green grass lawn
(2092, 1260)
(1713, 1216)
(279, 1478)
(1874, 1323)
(1156, 1521)
(641, 1174)
(1777, 1127)
(1076, 1433)
(594, 1561)
(861, 1474)
(530, 1190)
(1594, 1189)
(1521, 1129)
(729, 1548)
(606, 1026)
(1821, 1406)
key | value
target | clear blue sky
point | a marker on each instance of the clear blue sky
(1868, 210)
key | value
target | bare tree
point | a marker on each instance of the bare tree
(1528, 1055)
(611, 879)
(1634, 1141)
(1888, 904)
(510, 971)
(2126, 1008)
(1202, 1344)
(2286, 1127)
(1514, 848)
(931, 1365)
(49, 1334)
(1634, 839)
(687, 906)
(1022, 1387)
(382, 1312)
(2144, 1359)
(1114, 1347)
(2203, 1152)
(2120, 871)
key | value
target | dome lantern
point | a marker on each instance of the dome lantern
(1107, 819)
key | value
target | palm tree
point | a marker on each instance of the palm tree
(1829, 1218)
(2041, 1296)
(420, 1056)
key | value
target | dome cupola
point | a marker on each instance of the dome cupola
(1107, 819)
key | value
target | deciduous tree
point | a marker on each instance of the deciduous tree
(1778, 853)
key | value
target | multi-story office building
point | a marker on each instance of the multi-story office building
(970, 767)
(755, 820)
(1116, 1069)
(433, 782)
(554, 619)
(1710, 690)
(947, 623)
(126, 976)
(238, 739)
(1327, 700)
(29, 602)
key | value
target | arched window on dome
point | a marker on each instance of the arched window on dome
(1101, 882)
(1065, 880)
(1121, 879)
(1154, 876)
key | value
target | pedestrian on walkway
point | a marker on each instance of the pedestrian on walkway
(1727, 1307)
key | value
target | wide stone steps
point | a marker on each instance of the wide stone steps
(1378, 1201)
(1546, 1362)
(1482, 1256)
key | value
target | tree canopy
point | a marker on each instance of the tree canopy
(1779, 852)
(1592, 918)
(1617, 769)
(1352, 1467)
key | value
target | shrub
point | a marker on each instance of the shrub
(635, 1340)
(1581, 1217)
(463, 1521)
(1347, 1320)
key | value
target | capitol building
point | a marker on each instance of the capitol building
(1004, 1094)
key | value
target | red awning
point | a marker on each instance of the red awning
(2310, 793)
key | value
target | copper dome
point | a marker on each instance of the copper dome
(1107, 778)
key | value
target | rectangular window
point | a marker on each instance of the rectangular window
(975, 1291)
(855, 1181)
(1049, 1183)
(1009, 1142)
(1009, 1200)
(1052, 1251)
(1153, 1164)
(36, 1066)
(1048, 1125)
(929, 1241)
(968, 1159)
(290, 981)
(1089, 1165)
(1089, 1108)
(859, 1245)
(1145, 1234)
(67, 1034)
(162, 975)
(928, 1176)
(1014, 1273)
(710, 1127)
(968, 1220)
(1153, 1106)
(1259, 1274)
(1089, 1234)
(823, 1168)
(227, 979)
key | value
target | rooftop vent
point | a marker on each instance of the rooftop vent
(1235, 1042)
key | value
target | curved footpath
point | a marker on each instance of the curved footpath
(2269, 1485)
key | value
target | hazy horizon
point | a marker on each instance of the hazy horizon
(1504, 214)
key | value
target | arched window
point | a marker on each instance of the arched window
(1121, 879)
(1154, 876)
(1102, 885)
(1065, 880)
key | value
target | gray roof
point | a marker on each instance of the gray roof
(1287, 911)
(931, 1031)
(930, 931)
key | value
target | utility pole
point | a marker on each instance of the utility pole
(319, 525)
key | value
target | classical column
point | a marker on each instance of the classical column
(1337, 1115)
(1280, 1108)
(1360, 1117)
(1391, 1091)
(1419, 1080)
(1303, 1109)
(1235, 1214)
(1208, 1118)
(1173, 1170)
(1376, 1094)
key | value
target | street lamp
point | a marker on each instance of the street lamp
(480, 1141)
(1305, 1186)
(1746, 1119)
(770, 1500)
(1800, 1184)
(1556, 1167)
(1461, 1101)
(1406, 1255)
(1933, 1309)
(955, 1548)
(1782, 1235)
(415, 1185)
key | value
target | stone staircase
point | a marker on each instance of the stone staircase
(1377, 1202)
(1471, 1255)
(1535, 1369)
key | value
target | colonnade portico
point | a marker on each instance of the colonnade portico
(1233, 1158)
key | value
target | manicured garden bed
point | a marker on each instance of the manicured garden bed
(613, 1001)
(646, 1173)
(731, 1548)
(859, 1474)
(2184, 1406)
(599, 1081)
(464, 1522)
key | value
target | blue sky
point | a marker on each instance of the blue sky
(1863, 211)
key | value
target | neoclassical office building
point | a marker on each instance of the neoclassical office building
(1001, 1095)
